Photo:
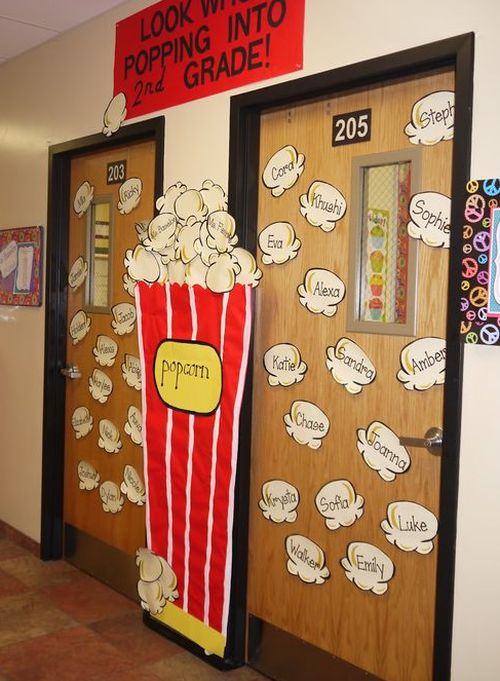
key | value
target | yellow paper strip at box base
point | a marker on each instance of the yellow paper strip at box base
(193, 629)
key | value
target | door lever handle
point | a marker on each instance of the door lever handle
(432, 441)
(71, 371)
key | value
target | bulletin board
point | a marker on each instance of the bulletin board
(21, 266)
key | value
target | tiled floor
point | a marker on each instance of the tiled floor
(58, 624)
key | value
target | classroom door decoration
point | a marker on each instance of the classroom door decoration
(194, 326)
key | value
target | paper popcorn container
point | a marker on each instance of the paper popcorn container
(194, 352)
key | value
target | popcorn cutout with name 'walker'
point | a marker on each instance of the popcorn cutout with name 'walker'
(193, 291)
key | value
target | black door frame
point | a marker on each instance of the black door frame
(458, 53)
(60, 156)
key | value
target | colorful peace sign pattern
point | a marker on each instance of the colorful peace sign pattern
(476, 325)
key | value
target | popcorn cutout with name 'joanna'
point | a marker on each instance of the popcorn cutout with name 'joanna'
(279, 501)
(283, 170)
(279, 243)
(339, 504)
(432, 118)
(410, 526)
(323, 205)
(307, 424)
(430, 214)
(423, 363)
(379, 446)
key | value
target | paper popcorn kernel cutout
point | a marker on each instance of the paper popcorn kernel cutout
(321, 292)
(112, 500)
(369, 568)
(284, 365)
(283, 170)
(278, 243)
(306, 559)
(349, 365)
(83, 198)
(432, 118)
(323, 205)
(339, 504)
(379, 446)
(133, 425)
(306, 424)
(423, 363)
(214, 196)
(430, 214)
(128, 284)
(131, 371)
(186, 240)
(143, 265)
(249, 273)
(132, 486)
(130, 195)
(279, 501)
(100, 386)
(109, 437)
(79, 326)
(88, 476)
(221, 232)
(82, 422)
(162, 231)
(189, 204)
(124, 317)
(221, 276)
(105, 350)
(196, 272)
(115, 114)
(410, 526)
(157, 581)
(78, 273)
(166, 203)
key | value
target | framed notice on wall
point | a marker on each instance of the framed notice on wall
(21, 266)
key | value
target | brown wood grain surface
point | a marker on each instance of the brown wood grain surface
(83, 509)
(390, 635)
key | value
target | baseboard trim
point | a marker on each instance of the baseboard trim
(13, 535)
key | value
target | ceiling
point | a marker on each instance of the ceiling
(27, 23)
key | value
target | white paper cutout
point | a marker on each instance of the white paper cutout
(283, 170)
(196, 272)
(423, 363)
(379, 446)
(323, 205)
(141, 230)
(306, 424)
(432, 118)
(221, 276)
(132, 486)
(109, 437)
(166, 203)
(8, 259)
(157, 581)
(221, 232)
(131, 371)
(133, 425)
(186, 240)
(339, 504)
(112, 500)
(82, 422)
(369, 568)
(350, 365)
(129, 284)
(410, 526)
(176, 272)
(78, 273)
(278, 243)
(284, 365)
(115, 114)
(214, 196)
(79, 326)
(306, 559)
(321, 292)
(88, 476)
(124, 316)
(430, 214)
(190, 203)
(130, 195)
(143, 265)
(100, 386)
(83, 198)
(105, 350)
(279, 501)
(162, 231)
(249, 273)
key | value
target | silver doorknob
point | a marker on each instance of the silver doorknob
(432, 441)
(71, 371)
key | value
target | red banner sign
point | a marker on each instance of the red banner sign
(180, 50)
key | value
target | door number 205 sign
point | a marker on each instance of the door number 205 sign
(352, 127)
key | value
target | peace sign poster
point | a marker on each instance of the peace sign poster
(480, 285)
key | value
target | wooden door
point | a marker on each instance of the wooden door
(112, 195)
(343, 518)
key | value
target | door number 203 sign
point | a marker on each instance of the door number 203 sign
(352, 127)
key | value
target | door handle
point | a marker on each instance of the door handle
(71, 371)
(432, 441)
